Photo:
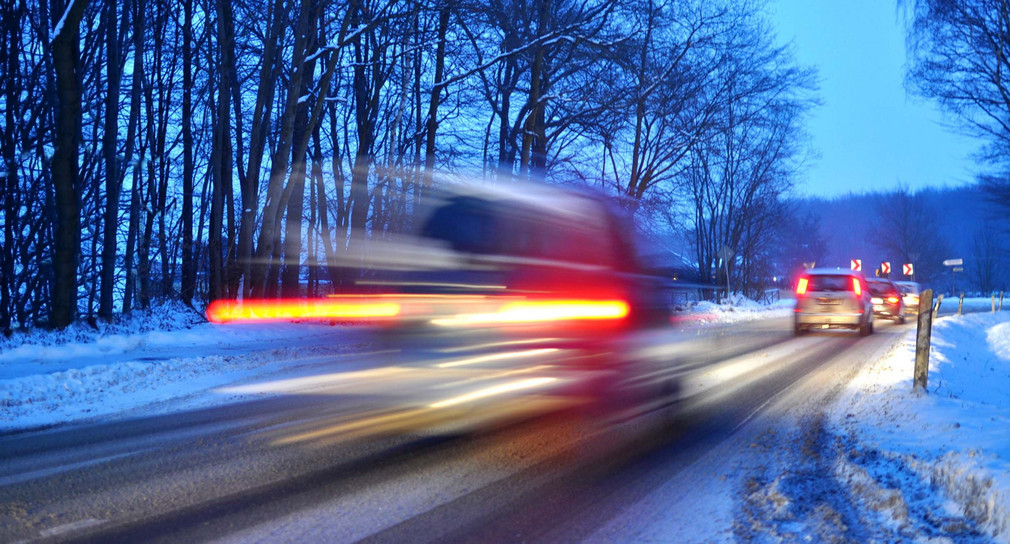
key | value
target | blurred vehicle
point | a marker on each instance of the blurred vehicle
(833, 298)
(517, 259)
(910, 295)
(887, 300)
(504, 300)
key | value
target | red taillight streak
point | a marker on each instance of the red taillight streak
(892, 300)
(540, 311)
(227, 311)
(856, 287)
(801, 287)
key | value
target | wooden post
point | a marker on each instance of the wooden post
(922, 336)
(994, 303)
(936, 309)
(960, 303)
(1001, 301)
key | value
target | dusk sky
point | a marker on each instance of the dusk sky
(869, 133)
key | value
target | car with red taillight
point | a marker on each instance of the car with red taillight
(887, 300)
(910, 295)
(832, 299)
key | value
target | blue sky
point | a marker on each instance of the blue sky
(869, 133)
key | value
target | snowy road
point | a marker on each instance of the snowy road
(297, 465)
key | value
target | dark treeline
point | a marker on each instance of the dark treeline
(924, 228)
(202, 149)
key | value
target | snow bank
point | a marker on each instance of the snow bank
(956, 436)
(172, 353)
(735, 310)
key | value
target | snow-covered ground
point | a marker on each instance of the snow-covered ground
(955, 437)
(886, 447)
(171, 358)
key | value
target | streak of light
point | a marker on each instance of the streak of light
(226, 311)
(541, 311)
(493, 391)
(496, 357)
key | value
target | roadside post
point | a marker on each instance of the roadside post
(936, 309)
(994, 303)
(922, 336)
(960, 303)
(1001, 301)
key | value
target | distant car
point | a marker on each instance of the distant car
(833, 298)
(887, 300)
(910, 295)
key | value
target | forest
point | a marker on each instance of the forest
(202, 149)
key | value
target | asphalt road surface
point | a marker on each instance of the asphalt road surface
(342, 458)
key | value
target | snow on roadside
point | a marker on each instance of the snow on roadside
(735, 310)
(956, 437)
(49, 378)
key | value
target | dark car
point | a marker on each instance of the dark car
(832, 298)
(887, 299)
(910, 295)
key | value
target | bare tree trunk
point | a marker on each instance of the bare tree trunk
(296, 190)
(112, 184)
(132, 133)
(536, 80)
(188, 285)
(436, 96)
(67, 249)
(266, 242)
(257, 145)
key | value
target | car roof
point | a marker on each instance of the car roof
(833, 272)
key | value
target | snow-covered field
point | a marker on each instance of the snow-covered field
(955, 437)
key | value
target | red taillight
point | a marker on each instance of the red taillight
(540, 311)
(227, 311)
(801, 287)
(892, 299)
(857, 288)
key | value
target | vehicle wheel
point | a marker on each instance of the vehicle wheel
(866, 328)
(900, 320)
(798, 330)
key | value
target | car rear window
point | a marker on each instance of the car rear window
(880, 288)
(830, 283)
(908, 289)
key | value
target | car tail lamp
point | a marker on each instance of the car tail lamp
(857, 287)
(801, 287)
(893, 299)
(228, 311)
(540, 311)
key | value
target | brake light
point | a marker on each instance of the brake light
(857, 288)
(541, 311)
(892, 299)
(226, 311)
(801, 287)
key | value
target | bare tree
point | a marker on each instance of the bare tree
(66, 253)
(905, 226)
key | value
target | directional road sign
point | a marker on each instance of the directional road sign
(907, 269)
(857, 265)
(885, 267)
(953, 262)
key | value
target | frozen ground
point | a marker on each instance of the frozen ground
(881, 451)
(899, 444)
(173, 354)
